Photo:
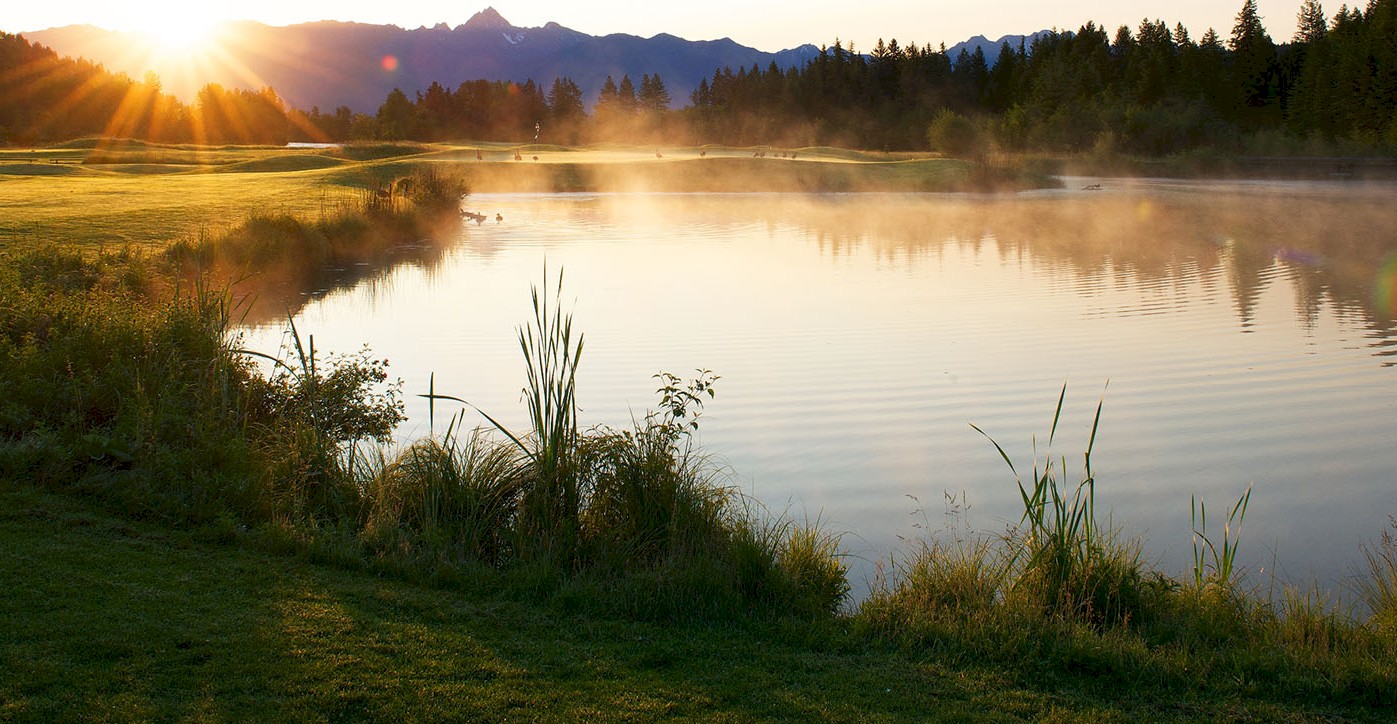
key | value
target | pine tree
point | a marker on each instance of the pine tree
(1248, 33)
(625, 96)
(1310, 24)
(1253, 59)
(654, 97)
(1181, 38)
(565, 100)
(608, 98)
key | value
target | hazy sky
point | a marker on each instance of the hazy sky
(766, 26)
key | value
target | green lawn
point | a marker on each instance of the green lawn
(106, 619)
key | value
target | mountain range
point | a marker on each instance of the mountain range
(329, 63)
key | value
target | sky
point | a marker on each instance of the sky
(765, 26)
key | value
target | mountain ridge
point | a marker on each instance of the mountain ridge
(329, 63)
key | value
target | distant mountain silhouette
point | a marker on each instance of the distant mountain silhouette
(329, 64)
(992, 47)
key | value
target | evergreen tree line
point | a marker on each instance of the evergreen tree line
(1152, 89)
(45, 98)
(507, 111)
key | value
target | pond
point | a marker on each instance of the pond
(1237, 333)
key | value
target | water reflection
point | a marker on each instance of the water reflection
(1334, 242)
(273, 293)
(1246, 330)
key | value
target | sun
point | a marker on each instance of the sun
(180, 32)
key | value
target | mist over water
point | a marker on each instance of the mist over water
(1246, 330)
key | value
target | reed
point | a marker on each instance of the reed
(1060, 557)
(550, 502)
(1214, 566)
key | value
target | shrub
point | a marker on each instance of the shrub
(955, 135)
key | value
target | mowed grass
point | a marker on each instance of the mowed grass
(109, 619)
(100, 207)
(148, 194)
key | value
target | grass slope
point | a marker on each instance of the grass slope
(109, 619)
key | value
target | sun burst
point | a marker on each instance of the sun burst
(180, 33)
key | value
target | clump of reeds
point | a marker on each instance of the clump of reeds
(639, 508)
(1063, 592)
(1061, 558)
(1215, 567)
(1059, 563)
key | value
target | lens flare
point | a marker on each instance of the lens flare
(389, 63)
(1385, 287)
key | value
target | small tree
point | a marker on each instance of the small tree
(954, 134)
(397, 117)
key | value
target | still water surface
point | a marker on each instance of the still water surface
(1246, 331)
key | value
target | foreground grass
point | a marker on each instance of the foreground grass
(109, 619)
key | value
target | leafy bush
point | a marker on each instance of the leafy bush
(955, 135)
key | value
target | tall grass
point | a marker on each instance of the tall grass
(116, 383)
(1377, 586)
(1213, 566)
(447, 499)
(1067, 595)
(1060, 558)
